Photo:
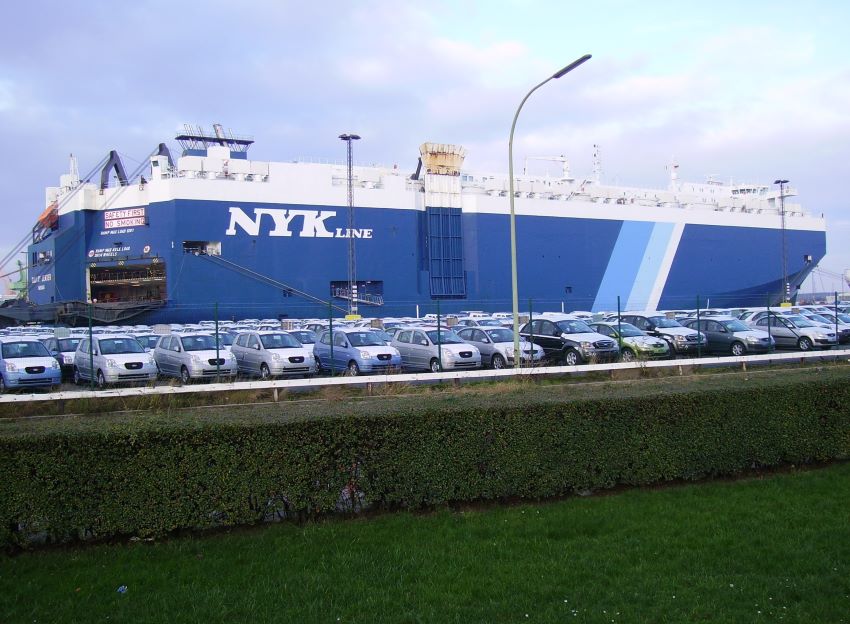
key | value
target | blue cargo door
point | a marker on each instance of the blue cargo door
(445, 252)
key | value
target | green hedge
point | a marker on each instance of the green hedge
(154, 476)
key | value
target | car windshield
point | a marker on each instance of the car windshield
(574, 327)
(735, 326)
(844, 318)
(305, 336)
(445, 337)
(68, 344)
(279, 341)
(382, 335)
(148, 341)
(664, 322)
(225, 340)
(13, 350)
(800, 321)
(198, 343)
(116, 346)
(501, 335)
(489, 323)
(364, 339)
(817, 318)
(628, 330)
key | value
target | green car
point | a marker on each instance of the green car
(636, 344)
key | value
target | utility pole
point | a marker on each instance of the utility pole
(352, 260)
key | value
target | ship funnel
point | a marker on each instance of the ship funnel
(442, 158)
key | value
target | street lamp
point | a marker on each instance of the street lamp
(352, 261)
(514, 289)
(785, 286)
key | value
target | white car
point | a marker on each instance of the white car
(112, 358)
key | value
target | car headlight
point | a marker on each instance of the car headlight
(587, 345)
(195, 358)
(11, 368)
(54, 364)
(365, 355)
(276, 356)
(753, 339)
(509, 352)
(309, 356)
(680, 339)
(448, 355)
(111, 363)
(821, 336)
(151, 360)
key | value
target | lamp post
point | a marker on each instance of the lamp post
(514, 289)
(786, 294)
(352, 261)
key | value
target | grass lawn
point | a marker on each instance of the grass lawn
(775, 548)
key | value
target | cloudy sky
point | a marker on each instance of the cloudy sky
(750, 91)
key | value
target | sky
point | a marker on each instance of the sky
(747, 91)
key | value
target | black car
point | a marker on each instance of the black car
(569, 341)
(682, 340)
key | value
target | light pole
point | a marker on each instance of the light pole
(352, 260)
(785, 287)
(514, 289)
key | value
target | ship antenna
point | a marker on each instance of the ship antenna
(352, 259)
(74, 171)
(674, 174)
(597, 164)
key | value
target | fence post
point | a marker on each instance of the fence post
(769, 324)
(331, 333)
(835, 314)
(439, 339)
(699, 333)
(217, 339)
(619, 328)
(530, 337)
(91, 350)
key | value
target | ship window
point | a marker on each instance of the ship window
(202, 248)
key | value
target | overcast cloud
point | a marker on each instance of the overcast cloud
(750, 93)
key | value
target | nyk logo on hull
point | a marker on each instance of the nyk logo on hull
(305, 223)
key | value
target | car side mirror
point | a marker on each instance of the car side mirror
(257, 347)
(424, 343)
(486, 341)
(54, 353)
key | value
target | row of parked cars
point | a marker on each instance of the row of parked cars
(265, 349)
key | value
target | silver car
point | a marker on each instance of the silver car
(192, 356)
(424, 348)
(496, 345)
(110, 358)
(267, 354)
(794, 331)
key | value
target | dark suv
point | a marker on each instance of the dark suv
(569, 341)
(682, 340)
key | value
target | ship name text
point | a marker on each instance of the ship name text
(283, 222)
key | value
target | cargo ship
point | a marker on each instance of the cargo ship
(214, 231)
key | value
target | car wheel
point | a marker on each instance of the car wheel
(2, 385)
(185, 377)
(319, 368)
(77, 379)
(628, 355)
(498, 361)
(101, 380)
(572, 358)
(353, 369)
(737, 349)
(804, 344)
(265, 373)
(435, 365)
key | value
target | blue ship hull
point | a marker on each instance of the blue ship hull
(404, 263)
